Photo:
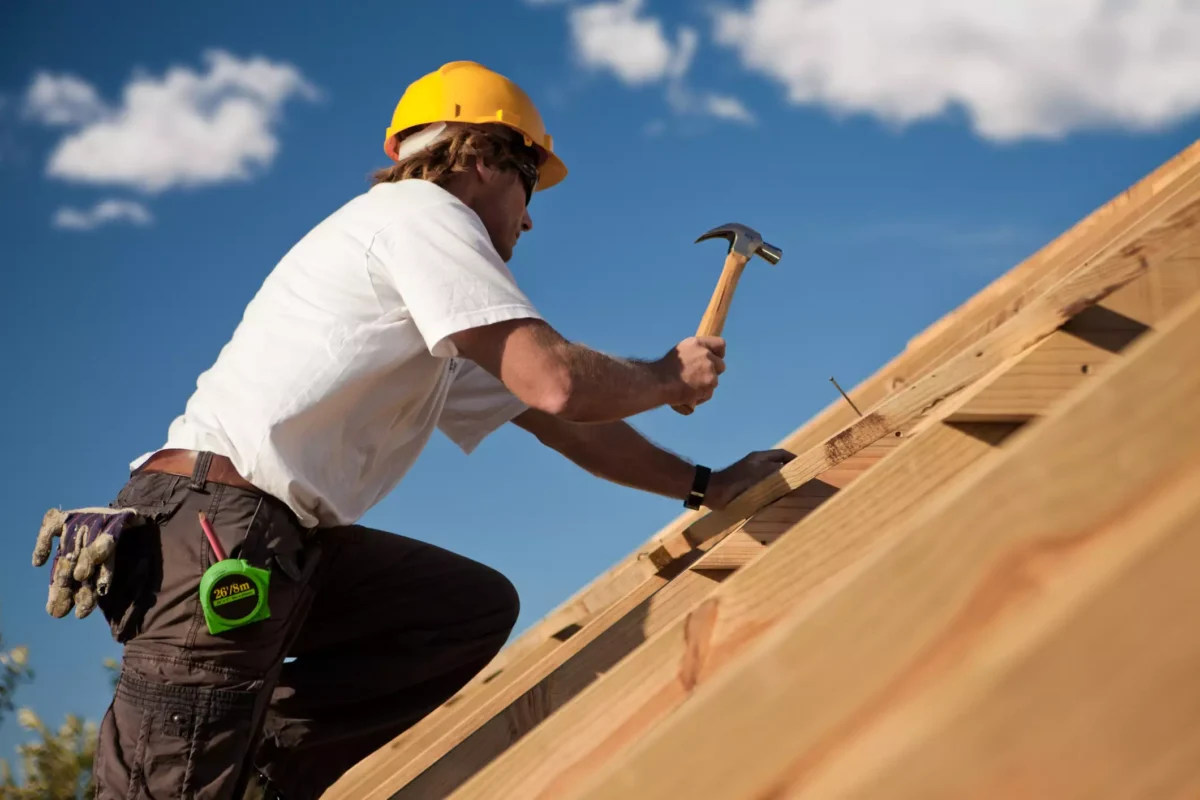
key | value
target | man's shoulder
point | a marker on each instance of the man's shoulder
(408, 197)
(390, 210)
(420, 207)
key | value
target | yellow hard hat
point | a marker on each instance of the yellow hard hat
(464, 91)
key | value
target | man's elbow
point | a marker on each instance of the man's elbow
(532, 360)
(554, 394)
(555, 391)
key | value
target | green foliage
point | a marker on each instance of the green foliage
(57, 765)
(14, 670)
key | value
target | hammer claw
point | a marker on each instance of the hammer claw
(745, 241)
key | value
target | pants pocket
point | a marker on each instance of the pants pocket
(175, 740)
(137, 563)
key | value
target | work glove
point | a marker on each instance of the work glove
(82, 568)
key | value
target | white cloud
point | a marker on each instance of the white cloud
(616, 35)
(62, 100)
(104, 212)
(685, 51)
(725, 107)
(185, 128)
(1019, 68)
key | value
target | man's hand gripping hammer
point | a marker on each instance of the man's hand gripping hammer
(744, 244)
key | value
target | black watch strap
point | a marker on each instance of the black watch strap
(699, 487)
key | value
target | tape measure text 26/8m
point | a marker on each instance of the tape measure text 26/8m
(233, 593)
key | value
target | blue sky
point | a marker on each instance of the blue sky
(901, 160)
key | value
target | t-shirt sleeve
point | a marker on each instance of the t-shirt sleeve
(448, 274)
(477, 404)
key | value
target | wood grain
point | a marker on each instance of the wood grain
(1089, 692)
(1081, 348)
(661, 675)
(439, 770)
(536, 653)
(1088, 284)
(752, 538)
(1106, 226)
(960, 572)
(399, 761)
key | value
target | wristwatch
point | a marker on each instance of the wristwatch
(699, 488)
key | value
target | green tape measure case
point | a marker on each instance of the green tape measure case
(233, 593)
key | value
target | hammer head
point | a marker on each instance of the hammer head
(745, 241)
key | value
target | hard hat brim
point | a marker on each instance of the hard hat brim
(552, 172)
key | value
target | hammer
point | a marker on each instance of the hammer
(744, 244)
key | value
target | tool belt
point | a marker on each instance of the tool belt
(197, 465)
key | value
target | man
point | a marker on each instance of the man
(394, 316)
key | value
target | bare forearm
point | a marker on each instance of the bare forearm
(601, 388)
(616, 452)
(579, 384)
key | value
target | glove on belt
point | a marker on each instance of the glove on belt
(82, 567)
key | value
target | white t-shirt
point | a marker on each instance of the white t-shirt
(340, 369)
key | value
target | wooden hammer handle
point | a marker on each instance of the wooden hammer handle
(713, 321)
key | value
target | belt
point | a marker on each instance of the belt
(184, 462)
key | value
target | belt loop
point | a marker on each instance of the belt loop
(200, 472)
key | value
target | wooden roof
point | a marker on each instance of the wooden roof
(984, 585)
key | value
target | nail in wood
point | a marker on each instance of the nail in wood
(848, 400)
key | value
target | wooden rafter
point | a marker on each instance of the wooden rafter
(1022, 324)
(921, 671)
(661, 675)
(985, 310)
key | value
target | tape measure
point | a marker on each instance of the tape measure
(233, 593)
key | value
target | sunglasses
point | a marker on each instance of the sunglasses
(523, 158)
(529, 177)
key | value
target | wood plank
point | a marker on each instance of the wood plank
(1088, 284)
(660, 676)
(752, 538)
(588, 725)
(458, 758)
(1108, 221)
(438, 771)
(964, 567)
(401, 759)
(741, 547)
(607, 597)
(461, 753)
(1053, 368)
(1084, 344)
(1090, 692)
(1104, 227)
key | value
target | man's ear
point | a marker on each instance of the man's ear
(485, 173)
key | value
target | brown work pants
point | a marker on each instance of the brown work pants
(382, 628)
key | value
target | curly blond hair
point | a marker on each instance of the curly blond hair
(497, 146)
